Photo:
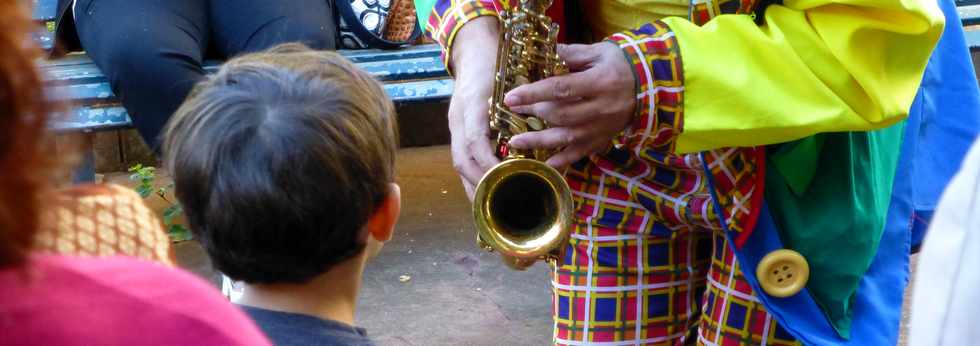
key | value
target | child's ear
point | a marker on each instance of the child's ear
(381, 225)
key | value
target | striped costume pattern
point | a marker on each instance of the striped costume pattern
(648, 262)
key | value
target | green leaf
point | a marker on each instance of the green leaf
(144, 191)
(170, 213)
(178, 232)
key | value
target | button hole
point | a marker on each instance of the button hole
(775, 272)
(779, 280)
(789, 276)
(785, 267)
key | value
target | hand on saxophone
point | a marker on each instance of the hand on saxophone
(474, 53)
(585, 109)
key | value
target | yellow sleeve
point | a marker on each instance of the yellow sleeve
(814, 66)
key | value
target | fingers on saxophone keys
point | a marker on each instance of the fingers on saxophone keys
(570, 113)
(559, 88)
(578, 56)
(574, 153)
(482, 152)
(551, 138)
(566, 157)
(468, 170)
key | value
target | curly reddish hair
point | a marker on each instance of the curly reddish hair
(25, 164)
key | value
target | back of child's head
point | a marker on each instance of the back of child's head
(279, 160)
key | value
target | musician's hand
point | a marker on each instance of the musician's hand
(585, 108)
(474, 54)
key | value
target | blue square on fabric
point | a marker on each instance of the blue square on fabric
(737, 163)
(611, 217)
(782, 334)
(605, 309)
(619, 156)
(563, 307)
(658, 254)
(709, 308)
(657, 303)
(665, 177)
(660, 230)
(662, 69)
(736, 315)
(608, 256)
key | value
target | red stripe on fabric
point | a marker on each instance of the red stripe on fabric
(756, 204)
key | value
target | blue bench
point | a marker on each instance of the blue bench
(414, 75)
(969, 11)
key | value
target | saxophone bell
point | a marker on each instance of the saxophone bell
(523, 207)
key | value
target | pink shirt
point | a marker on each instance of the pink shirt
(61, 300)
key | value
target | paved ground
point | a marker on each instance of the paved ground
(457, 295)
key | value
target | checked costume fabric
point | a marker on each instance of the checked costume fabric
(641, 252)
(732, 314)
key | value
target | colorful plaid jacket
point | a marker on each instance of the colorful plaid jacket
(692, 75)
(693, 157)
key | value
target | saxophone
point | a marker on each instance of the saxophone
(522, 207)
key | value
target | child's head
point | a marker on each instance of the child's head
(284, 164)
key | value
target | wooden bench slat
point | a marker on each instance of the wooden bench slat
(44, 10)
(422, 64)
(113, 116)
(412, 75)
(88, 119)
(972, 35)
(969, 14)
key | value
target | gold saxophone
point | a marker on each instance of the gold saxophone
(522, 206)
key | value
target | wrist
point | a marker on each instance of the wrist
(474, 49)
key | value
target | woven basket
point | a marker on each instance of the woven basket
(401, 21)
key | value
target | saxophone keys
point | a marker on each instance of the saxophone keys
(535, 123)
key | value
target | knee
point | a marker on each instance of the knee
(320, 36)
(143, 62)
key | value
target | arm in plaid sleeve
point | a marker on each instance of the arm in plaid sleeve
(814, 66)
(446, 17)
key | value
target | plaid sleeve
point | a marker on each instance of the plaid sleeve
(656, 59)
(448, 16)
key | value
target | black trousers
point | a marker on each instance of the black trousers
(151, 51)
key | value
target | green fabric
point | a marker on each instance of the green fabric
(829, 196)
(423, 8)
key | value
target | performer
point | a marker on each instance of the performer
(734, 176)
(152, 51)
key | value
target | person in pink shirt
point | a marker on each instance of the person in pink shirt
(53, 299)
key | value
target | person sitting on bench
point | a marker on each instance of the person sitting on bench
(152, 51)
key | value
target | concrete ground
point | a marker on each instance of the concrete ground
(457, 294)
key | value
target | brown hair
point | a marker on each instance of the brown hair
(23, 113)
(279, 159)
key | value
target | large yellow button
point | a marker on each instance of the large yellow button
(783, 273)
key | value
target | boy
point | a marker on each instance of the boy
(284, 164)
